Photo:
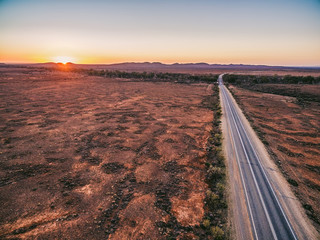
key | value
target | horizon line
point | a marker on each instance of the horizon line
(169, 64)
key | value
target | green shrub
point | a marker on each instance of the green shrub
(206, 223)
(212, 197)
(308, 207)
(217, 136)
(218, 149)
(217, 233)
(220, 157)
(293, 182)
(220, 188)
(215, 172)
(208, 193)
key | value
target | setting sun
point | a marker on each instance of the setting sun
(63, 59)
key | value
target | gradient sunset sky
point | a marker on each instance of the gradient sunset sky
(272, 32)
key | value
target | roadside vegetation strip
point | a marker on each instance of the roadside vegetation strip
(215, 220)
(147, 76)
(153, 76)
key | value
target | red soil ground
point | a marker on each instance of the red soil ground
(90, 158)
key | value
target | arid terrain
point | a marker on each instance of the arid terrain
(86, 157)
(193, 68)
(91, 157)
(289, 127)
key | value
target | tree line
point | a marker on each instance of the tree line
(153, 76)
(252, 79)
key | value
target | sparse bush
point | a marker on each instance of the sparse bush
(212, 197)
(220, 157)
(220, 188)
(218, 150)
(216, 122)
(215, 172)
(217, 136)
(223, 204)
(308, 207)
(206, 223)
(293, 182)
(208, 193)
(215, 197)
(217, 233)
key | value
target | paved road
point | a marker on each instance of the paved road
(267, 217)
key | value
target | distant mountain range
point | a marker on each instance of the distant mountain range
(157, 66)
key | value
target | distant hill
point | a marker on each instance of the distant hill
(151, 65)
(178, 67)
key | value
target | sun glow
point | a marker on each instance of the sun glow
(63, 59)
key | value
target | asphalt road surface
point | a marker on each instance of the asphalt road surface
(267, 218)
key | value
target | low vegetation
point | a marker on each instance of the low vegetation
(253, 79)
(215, 221)
(153, 76)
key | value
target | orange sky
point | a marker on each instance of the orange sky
(252, 32)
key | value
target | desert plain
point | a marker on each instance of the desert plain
(87, 157)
